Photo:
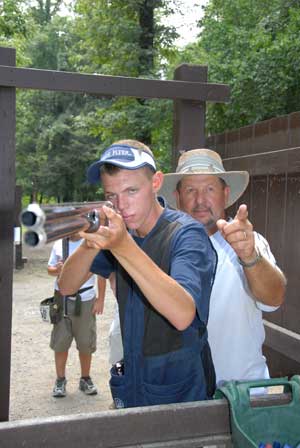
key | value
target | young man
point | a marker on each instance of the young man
(79, 325)
(164, 272)
(247, 280)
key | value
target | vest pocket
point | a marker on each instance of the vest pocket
(190, 389)
(119, 389)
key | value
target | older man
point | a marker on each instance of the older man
(247, 280)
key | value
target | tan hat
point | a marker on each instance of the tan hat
(204, 161)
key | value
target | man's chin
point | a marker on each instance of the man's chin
(203, 217)
(208, 223)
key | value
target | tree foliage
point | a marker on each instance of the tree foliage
(254, 47)
(58, 134)
(128, 39)
(12, 19)
(54, 142)
(251, 45)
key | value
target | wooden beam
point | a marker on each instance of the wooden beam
(158, 425)
(282, 340)
(184, 425)
(271, 162)
(28, 78)
(189, 116)
(7, 201)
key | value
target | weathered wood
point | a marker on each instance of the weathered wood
(282, 340)
(27, 78)
(189, 116)
(185, 425)
(271, 162)
(19, 259)
(181, 425)
(7, 199)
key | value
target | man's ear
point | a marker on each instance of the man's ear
(226, 194)
(157, 181)
(176, 196)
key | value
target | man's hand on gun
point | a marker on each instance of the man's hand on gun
(112, 237)
(45, 224)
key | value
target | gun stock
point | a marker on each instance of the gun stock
(45, 224)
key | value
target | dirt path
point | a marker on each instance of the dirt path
(32, 369)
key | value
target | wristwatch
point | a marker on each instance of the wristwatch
(253, 262)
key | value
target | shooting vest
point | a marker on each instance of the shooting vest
(161, 364)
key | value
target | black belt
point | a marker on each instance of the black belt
(77, 301)
(80, 291)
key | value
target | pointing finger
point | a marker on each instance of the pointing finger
(242, 213)
(221, 223)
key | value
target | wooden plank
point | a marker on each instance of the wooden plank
(185, 425)
(279, 364)
(179, 425)
(7, 199)
(189, 116)
(19, 259)
(282, 340)
(292, 253)
(27, 78)
(275, 229)
(271, 162)
(259, 201)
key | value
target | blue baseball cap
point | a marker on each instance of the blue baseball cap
(123, 156)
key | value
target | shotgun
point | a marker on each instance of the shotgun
(45, 224)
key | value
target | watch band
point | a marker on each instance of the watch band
(253, 262)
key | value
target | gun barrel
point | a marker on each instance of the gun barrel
(50, 223)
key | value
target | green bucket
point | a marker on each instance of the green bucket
(253, 425)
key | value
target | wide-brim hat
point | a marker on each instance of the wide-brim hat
(207, 162)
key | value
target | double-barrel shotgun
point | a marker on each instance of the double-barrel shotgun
(45, 224)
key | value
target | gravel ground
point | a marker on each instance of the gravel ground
(32, 364)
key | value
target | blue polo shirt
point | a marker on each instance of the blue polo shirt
(162, 364)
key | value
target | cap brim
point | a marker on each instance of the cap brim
(93, 173)
(236, 180)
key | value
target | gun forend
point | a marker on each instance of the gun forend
(45, 224)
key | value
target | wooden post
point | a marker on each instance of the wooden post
(7, 201)
(18, 246)
(189, 116)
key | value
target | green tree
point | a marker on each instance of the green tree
(128, 39)
(252, 46)
(12, 19)
(54, 144)
(45, 10)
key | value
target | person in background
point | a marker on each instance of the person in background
(247, 280)
(164, 268)
(77, 322)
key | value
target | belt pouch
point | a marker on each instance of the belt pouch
(77, 309)
(56, 308)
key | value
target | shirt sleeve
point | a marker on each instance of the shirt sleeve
(56, 253)
(193, 265)
(265, 250)
(104, 264)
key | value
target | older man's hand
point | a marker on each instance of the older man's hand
(239, 234)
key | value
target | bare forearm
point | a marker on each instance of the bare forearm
(266, 282)
(76, 269)
(101, 286)
(168, 297)
(52, 270)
